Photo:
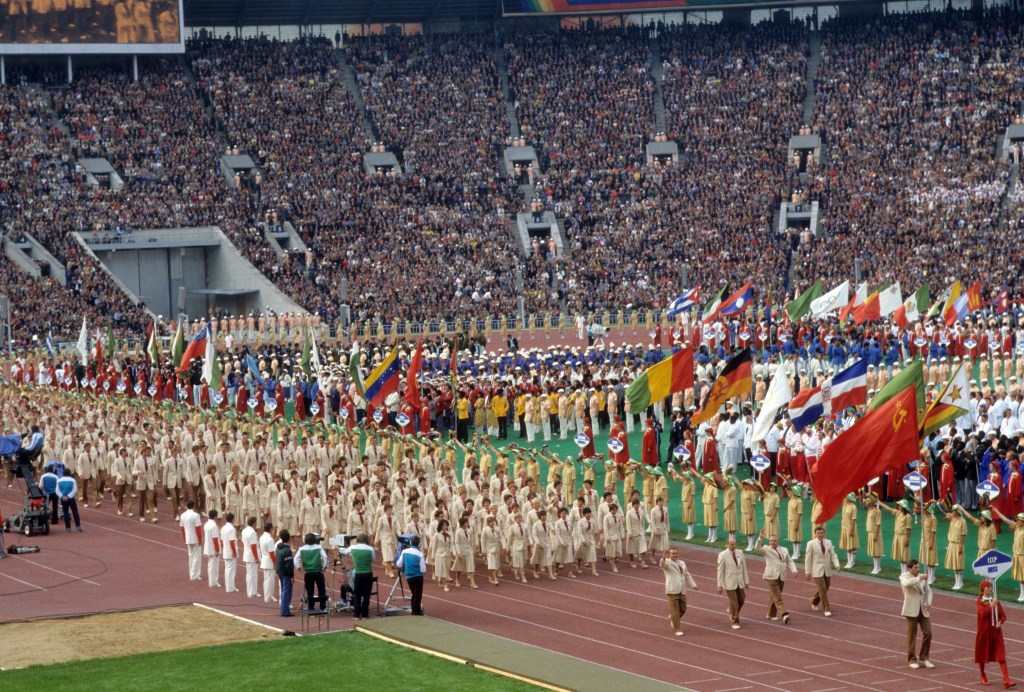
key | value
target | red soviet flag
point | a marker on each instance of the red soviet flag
(883, 438)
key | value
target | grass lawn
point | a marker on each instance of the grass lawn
(344, 660)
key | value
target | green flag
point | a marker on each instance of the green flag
(111, 343)
(178, 349)
(305, 353)
(798, 307)
(912, 374)
(353, 370)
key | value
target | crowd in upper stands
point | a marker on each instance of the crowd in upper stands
(909, 109)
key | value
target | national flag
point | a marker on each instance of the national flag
(847, 388)
(315, 365)
(97, 349)
(913, 374)
(353, 370)
(111, 342)
(949, 309)
(254, 368)
(152, 345)
(211, 366)
(833, 300)
(453, 369)
(734, 381)
(738, 301)
(683, 302)
(49, 343)
(974, 297)
(806, 407)
(952, 403)
(779, 394)
(304, 360)
(879, 304)
(178, 347)
(912, 308)
(798, 307)
(383, 380)
(1002, 301)
(768, 310)
(83, 343)
(940, 302)
(412, 384)
(882, 439)
(859, 296)
(957, 310)
(710, 311)
(671, 375)
(196, 347)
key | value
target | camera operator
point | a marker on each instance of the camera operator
(312, 560)
(67, 491)
(284, 565)
(48, 484)
(362, 555)
(34, 447)
(413, 566)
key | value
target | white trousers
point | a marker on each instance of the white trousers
(213, 570)
(230, 567)
(195, 561)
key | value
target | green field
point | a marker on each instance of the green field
(345, 660)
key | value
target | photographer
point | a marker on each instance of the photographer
(312, 560)
(284, 565)
(413, 566)
(362, 555)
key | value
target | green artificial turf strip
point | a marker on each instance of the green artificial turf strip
(340, 661)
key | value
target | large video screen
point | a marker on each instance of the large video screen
(91, 26)
(631, 6)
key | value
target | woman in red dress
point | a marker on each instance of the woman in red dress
(988, 642)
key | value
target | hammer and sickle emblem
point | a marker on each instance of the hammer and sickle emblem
(898, 418)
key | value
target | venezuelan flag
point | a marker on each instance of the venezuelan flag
(383, 380)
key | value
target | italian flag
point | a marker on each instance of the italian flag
(912, 308)
(671, 375)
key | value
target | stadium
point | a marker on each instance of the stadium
(337, 266)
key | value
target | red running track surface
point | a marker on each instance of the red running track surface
(618, 620)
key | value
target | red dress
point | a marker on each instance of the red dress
(710, 460)
(988, 642)
(300, 405)
(946, 479)
(1014, 503)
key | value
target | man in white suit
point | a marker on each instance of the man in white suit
(677, 580)
(777, 562)
(733, 579)
(819, 562)
(916, 595)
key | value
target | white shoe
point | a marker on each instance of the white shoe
(735, 627)
(828, 613)
(679, 633)
(814, 606)
(915, 665)
(927, 664)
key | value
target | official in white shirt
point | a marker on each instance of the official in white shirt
(192, 531)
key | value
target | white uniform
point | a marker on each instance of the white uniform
(267, 546)
(191, 525)
(212, 551)
(251, 558)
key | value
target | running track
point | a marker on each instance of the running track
(618, 620)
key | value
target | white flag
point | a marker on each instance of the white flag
(83, 343)
(779, 395)
(890, 300)
(861, 295)
(209, 356)
(314, 354)
(837, 298)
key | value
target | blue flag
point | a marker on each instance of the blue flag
(254, 368)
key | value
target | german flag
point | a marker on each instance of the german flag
(735, 380)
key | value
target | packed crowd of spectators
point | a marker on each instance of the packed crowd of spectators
(585, 99)
(910, 108)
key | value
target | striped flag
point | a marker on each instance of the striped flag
(671, 375)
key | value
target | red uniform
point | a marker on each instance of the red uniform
(988, 642)
(649, 454)
(946, 478)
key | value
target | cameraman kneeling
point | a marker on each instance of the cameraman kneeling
(363, 556)
(312, 560)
